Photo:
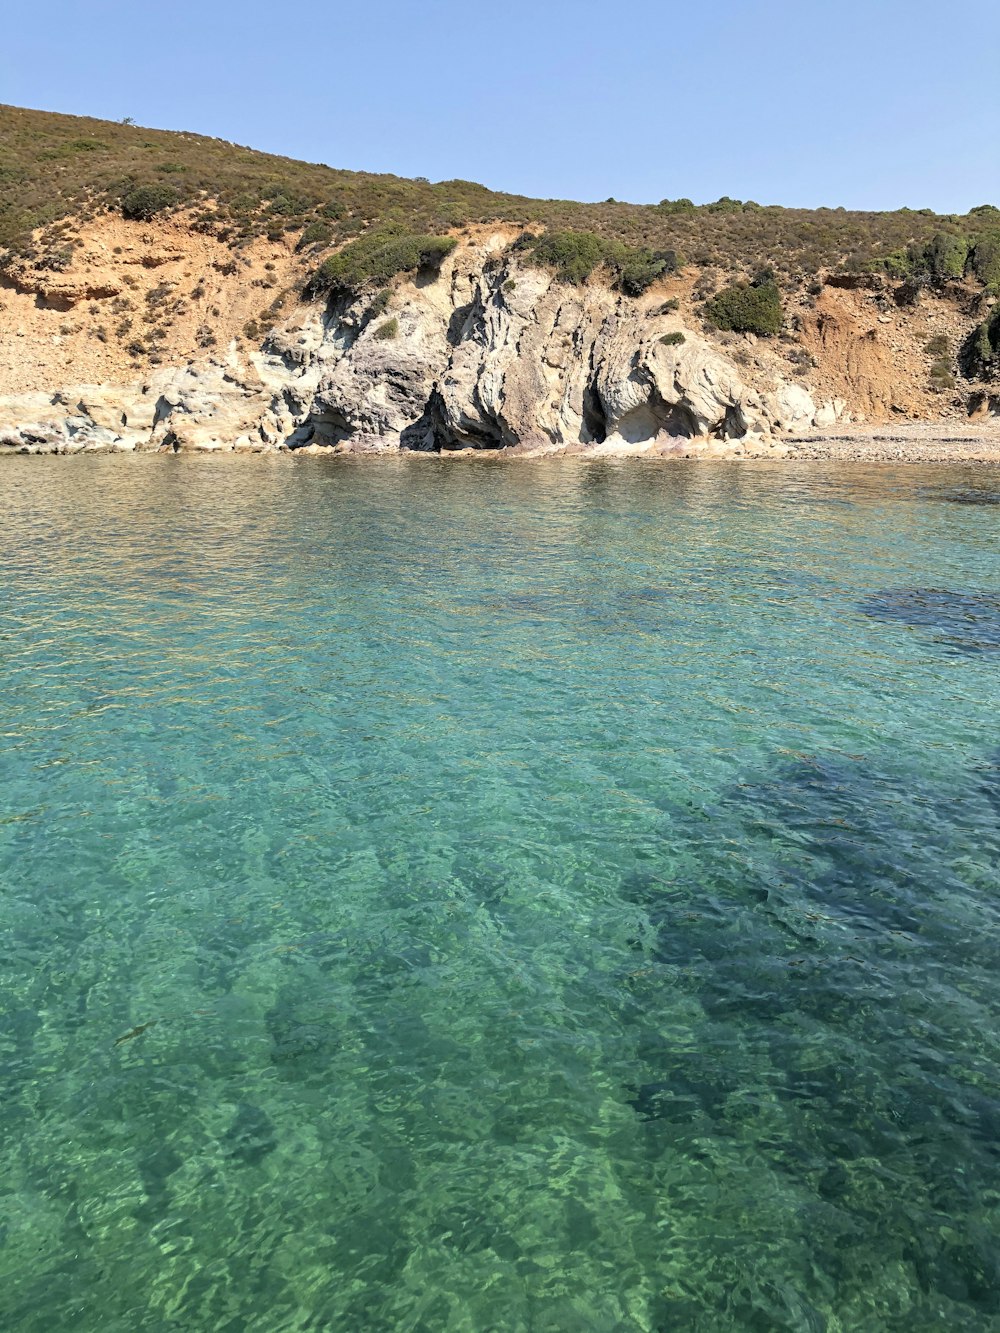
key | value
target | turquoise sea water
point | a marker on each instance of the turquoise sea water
(554, 897)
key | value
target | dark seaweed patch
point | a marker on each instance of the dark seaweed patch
(292, 1041)
(963, 622)
(831, 892)
(156, 1164)
(251, 1136)
(668, 1100)
(814, 922)
(971, 497)
(649, 609)
(693, 1085)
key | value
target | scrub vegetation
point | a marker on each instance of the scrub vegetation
(950, 256)
(377, 257)
(576, 254)
(747, 307)
(54, 167)
(981, 354)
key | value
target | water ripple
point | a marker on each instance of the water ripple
(534, 896)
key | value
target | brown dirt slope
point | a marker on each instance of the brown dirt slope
(135, 295)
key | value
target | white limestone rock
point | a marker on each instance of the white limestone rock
(791, 407)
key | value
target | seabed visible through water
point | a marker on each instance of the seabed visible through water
(534, 897)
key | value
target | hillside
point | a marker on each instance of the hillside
(127, 253)
(54, 166)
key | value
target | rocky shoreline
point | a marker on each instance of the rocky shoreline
(487, 357)
(925, 447)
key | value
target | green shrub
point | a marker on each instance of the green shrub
(576, 254)
(379, 256)
(986, 259)
(387, 331)
(673, 339)
(941, 377)
(434, 250)
(725, 205)
(673, 206)
(573, 254)
(944, 256)
(144, 202)
(981, 352)
(315, 233)
(938, 345)
(898, 264)
(380, 303)
(638, 268)
(245, 203)
(743, 308)
(288, 206)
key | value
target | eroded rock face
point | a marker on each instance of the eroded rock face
(488, 354)
(378, 387)
(523, 361)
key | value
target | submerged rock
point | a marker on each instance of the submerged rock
(964, 622)
(251, 1136)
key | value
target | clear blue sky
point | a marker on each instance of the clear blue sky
(865, 103)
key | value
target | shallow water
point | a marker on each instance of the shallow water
(553, 896)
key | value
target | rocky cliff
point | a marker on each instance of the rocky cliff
(150, 339)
